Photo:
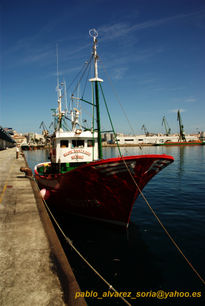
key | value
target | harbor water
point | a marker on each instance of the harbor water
(142, 259)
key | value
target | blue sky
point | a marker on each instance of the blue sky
(152, 50)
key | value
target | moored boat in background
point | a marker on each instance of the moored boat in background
(181, 143)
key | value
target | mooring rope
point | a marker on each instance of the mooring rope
(78, 252)
(162, 225)
(146, 201)
(155, 215)
(140, 191)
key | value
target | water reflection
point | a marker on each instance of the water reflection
(120, 255)
(35, 157)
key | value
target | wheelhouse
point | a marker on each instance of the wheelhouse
(74, 147)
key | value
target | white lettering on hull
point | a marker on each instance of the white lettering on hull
(77, 151)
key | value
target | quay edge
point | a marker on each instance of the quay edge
(33, 266)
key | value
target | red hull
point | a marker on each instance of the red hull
(102, 190)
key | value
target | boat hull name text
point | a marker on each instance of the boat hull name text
(77, 151)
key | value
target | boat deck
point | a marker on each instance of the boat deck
(29, 270)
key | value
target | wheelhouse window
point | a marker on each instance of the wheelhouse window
(77, 143)
(64, 143)
(90, 143)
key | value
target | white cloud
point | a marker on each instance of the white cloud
(120, 29)
(119, 73)
(191, 99)
(110, 32)
(32, 58)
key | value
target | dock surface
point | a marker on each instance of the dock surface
(27, 273)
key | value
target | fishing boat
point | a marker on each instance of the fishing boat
(77, 180)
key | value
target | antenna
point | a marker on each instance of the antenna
(58, 89)
(57, 72)
(94, 34)
(66, 99)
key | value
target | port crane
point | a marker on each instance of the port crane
(145, 130)
(166, 126)
(44, 129)
(181, 127)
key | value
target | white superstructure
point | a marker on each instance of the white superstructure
(78, 146)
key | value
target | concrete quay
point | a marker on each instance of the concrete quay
(33, 267)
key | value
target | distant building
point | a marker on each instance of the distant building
(19, 138)
(108, 138)
(151, 139)
(6, 140)
(34, 138)
(10, 131)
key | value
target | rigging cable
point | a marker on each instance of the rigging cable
(115, 135)
(118, 99)
(146, 201)
(78, 74)
(89, 64)
(83, 73)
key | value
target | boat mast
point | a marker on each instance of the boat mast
(93, 33)
(59, 95)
